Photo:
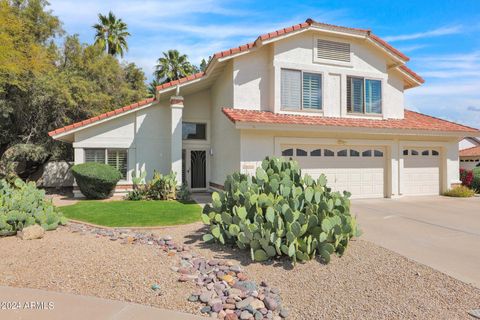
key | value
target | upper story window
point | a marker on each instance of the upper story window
(301, 90)
(194, 131)
(364, 95)
(117, 158)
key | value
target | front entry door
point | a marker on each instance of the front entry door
(195, 168)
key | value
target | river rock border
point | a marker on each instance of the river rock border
(224, 289)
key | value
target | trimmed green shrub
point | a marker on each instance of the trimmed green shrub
(279, 212)
(460, 191)
(96, 180)
(22, 205)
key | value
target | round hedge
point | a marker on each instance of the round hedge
(96, 180)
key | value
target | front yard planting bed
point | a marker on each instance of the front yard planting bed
(133, 213)
(368, 282)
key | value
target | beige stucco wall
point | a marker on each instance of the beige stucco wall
(225, 138)
(297, 52)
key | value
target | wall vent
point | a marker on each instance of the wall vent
(332, 50)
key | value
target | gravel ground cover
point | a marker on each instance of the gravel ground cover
(368, 282)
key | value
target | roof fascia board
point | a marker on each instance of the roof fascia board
(62, 134)
(300, 127)
(180, 85)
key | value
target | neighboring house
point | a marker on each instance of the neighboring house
(330, 97)
(468, 142)
(469, 153)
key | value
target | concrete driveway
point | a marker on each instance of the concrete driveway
(441, 232)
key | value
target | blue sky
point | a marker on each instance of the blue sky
(442, 38)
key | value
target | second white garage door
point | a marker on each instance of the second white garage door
(359, 170)
(421, 172)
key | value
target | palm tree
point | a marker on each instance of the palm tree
(111, 34)
(152, 87)
(173, 66)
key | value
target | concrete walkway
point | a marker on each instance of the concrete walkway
(441, 232)
(42, 305)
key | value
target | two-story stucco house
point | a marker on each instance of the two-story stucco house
(330, 97)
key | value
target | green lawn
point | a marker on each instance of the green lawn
(133, 213)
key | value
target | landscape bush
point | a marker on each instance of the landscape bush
(466, 176)
(460, 192)
(96, 180)
(476, 180)
(279, 212)
(160, 187)
(22, 205)
(22, 160)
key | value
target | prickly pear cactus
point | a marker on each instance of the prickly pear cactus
(280, 212)
(22, 205)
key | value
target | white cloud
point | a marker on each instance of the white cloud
(442, 31)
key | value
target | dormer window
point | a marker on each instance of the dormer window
(364, 96)
(301, 90)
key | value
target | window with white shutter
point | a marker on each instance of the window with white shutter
(117, 158)
(312, 91)
(291, 96)
(333, 50)
(95, 155)
(364, 95)
(301, 90)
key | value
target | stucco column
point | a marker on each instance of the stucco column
(394, 169)
(176, 106)
(452, 166)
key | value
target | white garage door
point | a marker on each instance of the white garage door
(359, 170)
(421, 173)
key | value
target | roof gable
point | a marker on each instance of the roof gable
(413, 79)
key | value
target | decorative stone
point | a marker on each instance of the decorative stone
(155, 287)
(205, 309)
(231, 316)
(228, 279)
(242, 276)
(217, 307)
(258, 315)
(257, 304)
(229, 306)
(270, 303)
(245, 315)
(221, 314)
(205, 296)
(283, 313)
(193, 298)
(31, 232)
(244, 303)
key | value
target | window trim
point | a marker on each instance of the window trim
(365, 96)
(302, 109)
(196, 122)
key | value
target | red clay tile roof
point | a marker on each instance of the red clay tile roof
(412, 73)
(100, 117)
(470, 152)
(283, 31)
(181, 80)
(413, 120)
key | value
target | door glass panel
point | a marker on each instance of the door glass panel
(198, 169)
(301, 153)
(378, 153)
(328, 153)
(287, 152)
(184, 160)
(367, 153)
(342, 153)
(354, 153)
(316, 153)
